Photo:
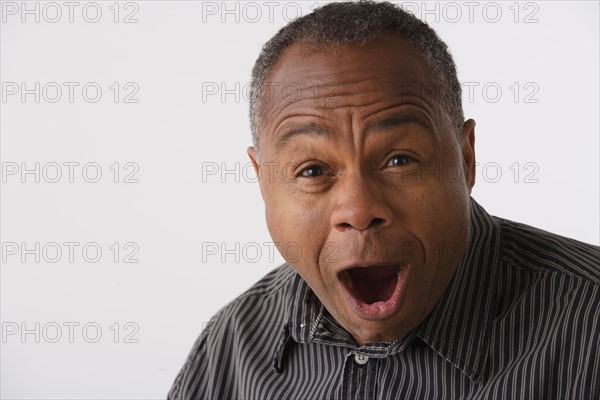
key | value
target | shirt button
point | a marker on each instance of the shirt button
(361, 359)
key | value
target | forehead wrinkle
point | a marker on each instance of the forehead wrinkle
(362, 87)
(346, 79)
(405, 112)
(298, 129)
(333, 95)
(418, 113)
(389, 123)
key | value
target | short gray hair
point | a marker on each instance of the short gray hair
(358, 23)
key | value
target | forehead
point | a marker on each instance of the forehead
(387, 52)
(310, 79)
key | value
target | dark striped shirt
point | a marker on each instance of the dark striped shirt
(519, 320)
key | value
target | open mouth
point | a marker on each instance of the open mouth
(374, 292)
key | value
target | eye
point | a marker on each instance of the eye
(399, 160)
(312, 171)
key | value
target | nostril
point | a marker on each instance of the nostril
(345, 225)
(376, 222)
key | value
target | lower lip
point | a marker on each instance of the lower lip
(379, 310)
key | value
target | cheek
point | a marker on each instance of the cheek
(298, 229)
(439, 221)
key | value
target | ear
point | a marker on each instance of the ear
(468, 153)
(254, 158)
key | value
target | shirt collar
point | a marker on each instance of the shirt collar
(305, 311)
(459, 326)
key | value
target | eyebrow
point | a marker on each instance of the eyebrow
(397, 119)
(313, 130)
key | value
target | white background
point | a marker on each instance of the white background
(178, 131)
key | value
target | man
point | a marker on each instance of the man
(404, 287)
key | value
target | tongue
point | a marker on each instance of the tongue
(374, 284)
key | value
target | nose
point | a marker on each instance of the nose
(359, 204)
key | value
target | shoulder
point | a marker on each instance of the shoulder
(267, 298)
(273, 284)
(254, 318)
(540, 251)
(240, 337)
(547, 300)
(261, 308)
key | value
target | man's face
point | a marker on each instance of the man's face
(365, 182)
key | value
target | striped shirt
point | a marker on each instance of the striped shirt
(520, 319)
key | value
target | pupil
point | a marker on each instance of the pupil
(312, 171)
(399, 160)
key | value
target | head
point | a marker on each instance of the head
(366, 163)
